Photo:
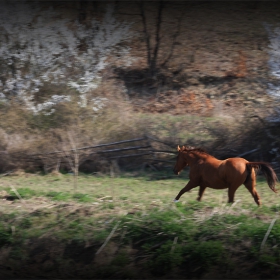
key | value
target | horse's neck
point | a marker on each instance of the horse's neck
(193, 158)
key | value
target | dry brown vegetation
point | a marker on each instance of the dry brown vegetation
(216, 71)
(23, 134)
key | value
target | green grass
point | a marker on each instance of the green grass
(159, 236)
(62, 196)
(135, 192)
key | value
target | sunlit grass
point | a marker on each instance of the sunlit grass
(188, 236)
(127, 193)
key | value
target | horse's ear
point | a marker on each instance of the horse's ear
(183, 148)
(178, 148)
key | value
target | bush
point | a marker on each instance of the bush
(5, 236)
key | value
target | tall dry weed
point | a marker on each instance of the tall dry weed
(23, 134)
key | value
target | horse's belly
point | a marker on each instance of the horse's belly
(218, 184)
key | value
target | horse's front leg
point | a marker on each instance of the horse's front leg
(190, 185)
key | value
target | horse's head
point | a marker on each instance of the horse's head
(181, 161)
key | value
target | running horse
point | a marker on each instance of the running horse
(207, 171)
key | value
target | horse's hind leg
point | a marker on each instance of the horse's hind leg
(231, 192)
(250, 185)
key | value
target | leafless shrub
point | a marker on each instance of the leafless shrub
(23, 134)
(253, 137)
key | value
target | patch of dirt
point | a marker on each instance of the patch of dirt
(106, 255)
(3, 194)
(80, 253)
(20, 172)
(182, 102)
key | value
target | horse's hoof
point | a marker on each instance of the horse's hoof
(175, 200)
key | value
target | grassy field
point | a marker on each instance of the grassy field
(128, 227)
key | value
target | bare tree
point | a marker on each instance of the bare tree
(152, 51)
(157, 36)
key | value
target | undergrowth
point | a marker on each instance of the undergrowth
(165, 243)
(136, 229)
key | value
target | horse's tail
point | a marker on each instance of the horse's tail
(267, 171)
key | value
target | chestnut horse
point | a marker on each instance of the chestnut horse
(207, 171)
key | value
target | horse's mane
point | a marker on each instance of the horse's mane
(193, 149)
(199, 150)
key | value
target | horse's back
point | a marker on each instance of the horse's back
(238, 164)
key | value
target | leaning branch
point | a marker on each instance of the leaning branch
(108, 238)
(267, 233)
(96, 146)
